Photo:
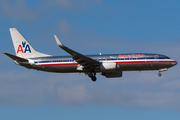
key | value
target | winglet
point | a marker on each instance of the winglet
(58, 41)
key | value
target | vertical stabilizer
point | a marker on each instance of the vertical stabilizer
(22, 47)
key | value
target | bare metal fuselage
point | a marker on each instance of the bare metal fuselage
(65, 64)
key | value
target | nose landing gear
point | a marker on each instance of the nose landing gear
(161, 70)
(159, 74)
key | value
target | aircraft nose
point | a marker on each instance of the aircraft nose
(174, 63)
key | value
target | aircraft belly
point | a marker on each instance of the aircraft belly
(65, 68)
(143, 66)
(58, 69)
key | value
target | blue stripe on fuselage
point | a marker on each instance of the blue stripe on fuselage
(99, 58)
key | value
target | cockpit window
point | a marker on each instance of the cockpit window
(166, 57)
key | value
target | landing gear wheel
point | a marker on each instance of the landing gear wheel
(93, 78)
(159, 74)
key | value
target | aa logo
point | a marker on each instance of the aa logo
(23, 48)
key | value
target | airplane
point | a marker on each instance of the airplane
(109, 65)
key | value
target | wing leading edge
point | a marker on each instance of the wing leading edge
(85, 63)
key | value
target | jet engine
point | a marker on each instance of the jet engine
(112, 74)
(107, 66)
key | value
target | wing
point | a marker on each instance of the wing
(84, 61)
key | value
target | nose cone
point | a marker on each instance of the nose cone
(174, 63)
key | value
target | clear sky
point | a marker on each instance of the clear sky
(91, 27)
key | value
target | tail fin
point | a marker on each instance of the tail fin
(22, 48)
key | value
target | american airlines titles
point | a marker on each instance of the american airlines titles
(132, 55)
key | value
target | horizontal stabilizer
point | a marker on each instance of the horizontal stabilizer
(16, 58)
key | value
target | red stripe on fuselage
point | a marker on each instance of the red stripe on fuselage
(118, 62)
(57, 64)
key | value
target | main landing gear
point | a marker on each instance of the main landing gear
(92, 75)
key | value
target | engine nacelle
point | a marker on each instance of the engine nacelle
(112, 74)
(106, 66)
